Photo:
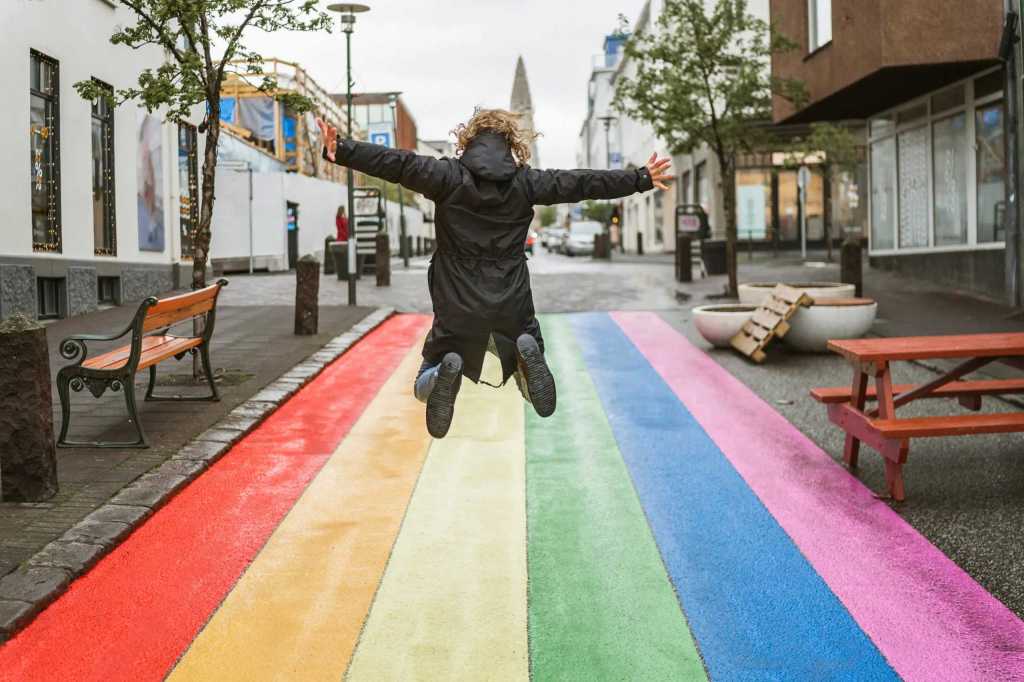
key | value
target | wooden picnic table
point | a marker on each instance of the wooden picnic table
(890, 435)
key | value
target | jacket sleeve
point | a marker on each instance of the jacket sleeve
(433, 178)
(569, 186)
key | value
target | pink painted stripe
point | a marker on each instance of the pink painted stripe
(929, 618)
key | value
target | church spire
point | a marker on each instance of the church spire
(522, 103)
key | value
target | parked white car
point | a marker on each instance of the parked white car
(580, 240)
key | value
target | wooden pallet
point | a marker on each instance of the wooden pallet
(770, 321)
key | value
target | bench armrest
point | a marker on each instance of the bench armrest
(74, 348)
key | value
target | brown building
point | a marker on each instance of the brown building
(922, 81)
(371, 111)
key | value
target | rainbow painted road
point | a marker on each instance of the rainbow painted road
(665, 524)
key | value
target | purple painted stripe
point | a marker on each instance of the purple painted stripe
(929, 618)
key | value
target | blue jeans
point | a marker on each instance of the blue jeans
(426, 379)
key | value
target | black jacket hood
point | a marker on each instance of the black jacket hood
(489, 157)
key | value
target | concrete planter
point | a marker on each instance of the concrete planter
(812, 328)
(719, 323)
(755, 293)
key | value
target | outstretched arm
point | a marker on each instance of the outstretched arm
(566, 186)
(433, 178)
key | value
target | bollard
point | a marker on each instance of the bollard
(307, 294)
(684, 258)
(639, 243)
(419, 246)
(383, 268)
(850, 266)
(329, 266)
(339, 254)
(28, 456)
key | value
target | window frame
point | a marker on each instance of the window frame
(814, 42)
(968, 107)
(53, 182)
(192, 134)
(106, 121)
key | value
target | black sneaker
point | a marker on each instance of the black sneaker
(539, 382)
(441, 402)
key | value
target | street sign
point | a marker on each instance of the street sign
(381, 138)
(803, 177)
(689, 223)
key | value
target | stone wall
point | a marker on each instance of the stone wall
(138, 283)
(82, 291)
(17, 291)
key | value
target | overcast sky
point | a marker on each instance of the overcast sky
(448, 56)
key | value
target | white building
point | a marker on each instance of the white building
(96, 197)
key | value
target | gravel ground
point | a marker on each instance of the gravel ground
(966, 495)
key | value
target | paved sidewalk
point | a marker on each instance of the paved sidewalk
(251, 347)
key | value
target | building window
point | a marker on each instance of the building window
(819, 24)
(991, 171)
(103, 211)
(49, 292)
(883, 193)
(44, 147)
(188, 183)
(949, 173)
(700, 185)
(108, 290)
(928, 188)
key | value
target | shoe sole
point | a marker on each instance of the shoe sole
(441, 402)
(539, 381)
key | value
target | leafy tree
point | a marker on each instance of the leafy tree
(190, 32)
(839, 153)
(601, 211)
(548, 216)
(703, 77)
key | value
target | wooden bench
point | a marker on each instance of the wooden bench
(151, 344)
(890, 435)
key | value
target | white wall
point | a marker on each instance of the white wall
(76, 34)
(318, 202)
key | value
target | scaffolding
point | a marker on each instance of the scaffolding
(294, 138)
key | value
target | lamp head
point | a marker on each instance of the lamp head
(348, 12)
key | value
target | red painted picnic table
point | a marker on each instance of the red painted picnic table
(890, 435)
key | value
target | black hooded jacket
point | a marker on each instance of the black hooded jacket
(479, 282)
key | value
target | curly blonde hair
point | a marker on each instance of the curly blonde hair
(496, 121)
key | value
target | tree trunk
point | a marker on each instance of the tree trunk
(201, 245)
(728, 174)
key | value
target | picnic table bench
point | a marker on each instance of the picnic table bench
(890, 435)
(151, 344)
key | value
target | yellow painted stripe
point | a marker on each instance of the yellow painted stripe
(452, 605)
(297, 611)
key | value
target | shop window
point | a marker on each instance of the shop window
(103, 212)
(991, 171)
(49, 296)
(948, 99)
(684, 188)
(989, 84)
(912, 154)
(188, 186)
(753, 203)
(819, 23)
(883, 194)
(949, 173)
(911, 114)
(44, 149)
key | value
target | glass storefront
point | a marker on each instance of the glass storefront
(938, 169)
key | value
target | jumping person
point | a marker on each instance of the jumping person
(478, 278)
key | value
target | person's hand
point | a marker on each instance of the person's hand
(330, 135)
(659, 170)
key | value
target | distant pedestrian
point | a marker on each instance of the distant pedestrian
(478, 279)
(341, 222)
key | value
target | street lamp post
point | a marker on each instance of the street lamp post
(348, 12)
(607, 120)
(403, 248)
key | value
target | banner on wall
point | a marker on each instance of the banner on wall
(149, 170)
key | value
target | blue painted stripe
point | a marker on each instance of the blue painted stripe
(756, 607)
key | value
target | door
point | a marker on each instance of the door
(293, 234)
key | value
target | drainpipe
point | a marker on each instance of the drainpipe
(1008, 51)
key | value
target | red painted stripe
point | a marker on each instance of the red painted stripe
(137, 610)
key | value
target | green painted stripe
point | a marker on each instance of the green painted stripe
(600, 603)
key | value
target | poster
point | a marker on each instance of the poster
(750, 212)
(150, 174)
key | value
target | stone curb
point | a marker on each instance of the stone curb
(33, 585)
